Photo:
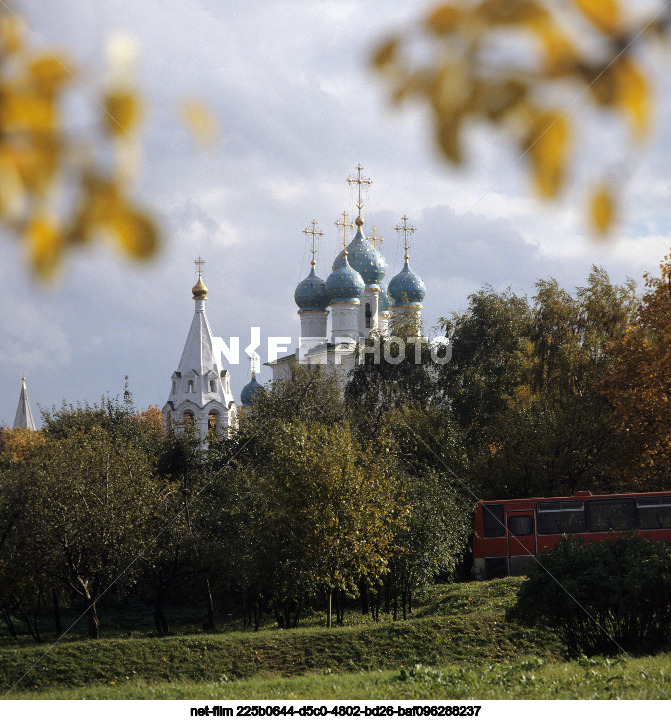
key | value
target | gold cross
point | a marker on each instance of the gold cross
(314, 232)
(406, 229)
(375, 238)
(200, 263)
(359, 181)
(344, 225)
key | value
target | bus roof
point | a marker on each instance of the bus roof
(579, 495)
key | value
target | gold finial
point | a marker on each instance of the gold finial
(344, 225)
(200, 289)
(23, 380)
(407, 229)
(314, 232)
(359, 181)
(375, 238)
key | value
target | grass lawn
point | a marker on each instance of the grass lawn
(456, 645)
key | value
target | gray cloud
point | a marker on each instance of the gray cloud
(298, 110)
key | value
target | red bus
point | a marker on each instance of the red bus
(509, 534)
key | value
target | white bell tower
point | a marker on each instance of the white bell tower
(201, 389)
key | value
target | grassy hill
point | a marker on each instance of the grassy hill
(456, 645)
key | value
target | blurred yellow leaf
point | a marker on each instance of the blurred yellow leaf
(43, 162)
(452, 88)
(511, 12)
(385, 53)
(11, 33)
(137, 234)
(444, 18)
(603, 86)
(48, 73)
(547, 146)
(27, 111)
(494, 98)
(633, 94)
(605, 14)
(200, 121)
(561, 55)
(122, 112)
(602, 209)
(448, 136)
(12, 190)
(100, 201)
(44, 242)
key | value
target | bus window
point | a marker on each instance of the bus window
(615, 515)
(654, 512)
(520, 525)
(492, 521)
(561, 517)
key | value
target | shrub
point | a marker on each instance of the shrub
(601, 597)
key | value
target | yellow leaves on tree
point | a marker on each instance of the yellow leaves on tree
(602, 209)
(44, 242)
(548, 145)
(638, 388)
(633, 94)
(122, 112)
(200, 121)
(19, 443)
(604, 14)
(47, 196)
(469, 79)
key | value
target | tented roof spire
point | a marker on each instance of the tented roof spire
(24, 416)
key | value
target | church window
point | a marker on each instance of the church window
(189, 386)
(174, 386)
(188, 418)
(212, 422)
(369, 316)
(213, 386)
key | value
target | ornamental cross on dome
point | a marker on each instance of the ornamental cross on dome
(359, 181)
(200, 263)
(375, 237)
(344, 225)
(406, 230)
(314, 232)
(252, 364)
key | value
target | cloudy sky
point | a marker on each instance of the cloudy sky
(298, 109)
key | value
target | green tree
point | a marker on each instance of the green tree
(522, 384)
(92, 510)
(601, 597)
(325, 519)
(434, 537)
(490, 345)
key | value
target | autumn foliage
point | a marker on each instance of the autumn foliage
(476, 74)
(58, 189)
(639, 389)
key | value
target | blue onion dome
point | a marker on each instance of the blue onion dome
(407, 288)
(344, 285)
(250, 390)
(310, 293)
(366, 259)
(339, 262)
(384, 302)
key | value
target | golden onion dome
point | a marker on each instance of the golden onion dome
(199, 290)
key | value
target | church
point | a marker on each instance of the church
(354, 295)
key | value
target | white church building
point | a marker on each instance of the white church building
(201, 387)
(355, 298)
